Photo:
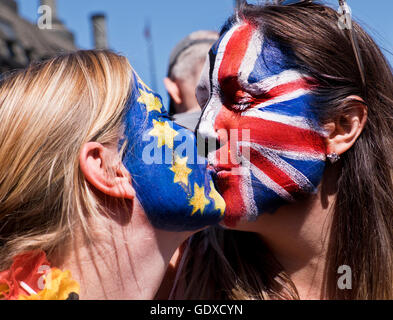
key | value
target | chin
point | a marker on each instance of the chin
(227, 185)
(243, 224)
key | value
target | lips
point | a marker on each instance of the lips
(224, 174)
(226, 171)
(220, 168)
(228, 183)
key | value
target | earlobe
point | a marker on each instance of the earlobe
(347, 127)
(173, 90)
(103, 170)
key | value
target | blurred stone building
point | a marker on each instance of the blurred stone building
(22, 41)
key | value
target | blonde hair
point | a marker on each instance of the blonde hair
(47, 112)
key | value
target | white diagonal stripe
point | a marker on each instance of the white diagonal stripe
(266, 181)
(272, 82)
(299, 178)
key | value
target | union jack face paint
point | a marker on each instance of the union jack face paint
(250, 84)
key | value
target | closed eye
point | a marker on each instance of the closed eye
(238, 101)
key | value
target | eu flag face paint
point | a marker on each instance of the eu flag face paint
(256, 91)
(171, 181)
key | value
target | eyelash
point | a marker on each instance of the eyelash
(238, 105)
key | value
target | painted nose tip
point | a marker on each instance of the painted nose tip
(206, 131)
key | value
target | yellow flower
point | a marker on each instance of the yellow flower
(58, 286)
(4, 289)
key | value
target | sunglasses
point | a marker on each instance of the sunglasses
(345, 23)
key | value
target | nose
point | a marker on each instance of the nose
(207, 137)
(205, 128)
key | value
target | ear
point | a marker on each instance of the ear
(347, 127)
(173, 90)
(103, 168)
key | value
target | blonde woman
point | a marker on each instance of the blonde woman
(82, 215)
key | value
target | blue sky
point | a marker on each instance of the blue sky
(171, 20)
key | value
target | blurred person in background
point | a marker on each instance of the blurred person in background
(185, 66)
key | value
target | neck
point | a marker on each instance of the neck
(298, 237)
(126, 262)
(301, 246)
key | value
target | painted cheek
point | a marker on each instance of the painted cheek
(229, 184)
(280, 136)
(227, 119)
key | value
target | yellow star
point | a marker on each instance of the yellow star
(198, 201)
(219, 203)
(164, 133)
(181, 170)
(150, 100)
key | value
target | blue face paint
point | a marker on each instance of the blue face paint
(171, 181)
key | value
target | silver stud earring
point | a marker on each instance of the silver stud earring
(333, 157)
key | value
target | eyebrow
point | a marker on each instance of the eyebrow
(230, 85)
(202, 86)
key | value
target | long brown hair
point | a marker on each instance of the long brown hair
(226, 264)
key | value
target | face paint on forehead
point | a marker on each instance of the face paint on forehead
(205, 127)
(171, 181)
(256, 88)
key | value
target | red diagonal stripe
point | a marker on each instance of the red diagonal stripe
(281, 90)
(233, 56)
(281, 136)
(273, 172)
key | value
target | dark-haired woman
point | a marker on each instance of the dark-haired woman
(311, 98)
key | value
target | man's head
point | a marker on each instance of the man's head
(185, 66)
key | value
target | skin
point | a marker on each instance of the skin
(121, 266)
(298, 233)
(182, 91)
